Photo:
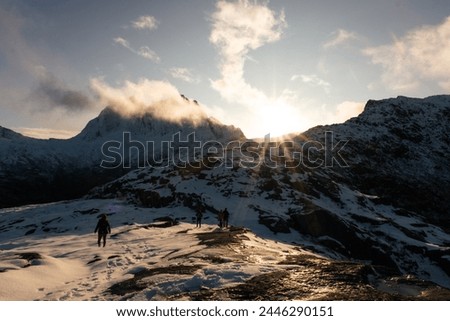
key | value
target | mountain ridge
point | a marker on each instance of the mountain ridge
(32, 170)
(403, 144)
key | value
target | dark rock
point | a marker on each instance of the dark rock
(82, 212)
(29, 232)
(274, 223)
(320, 222)
(137, 284)
(163, 222)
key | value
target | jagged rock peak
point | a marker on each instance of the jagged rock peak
(112, 122)
(422, 111)
(408, 103)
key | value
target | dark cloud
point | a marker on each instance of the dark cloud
(52, 93)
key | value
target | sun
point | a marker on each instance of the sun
(278, 119)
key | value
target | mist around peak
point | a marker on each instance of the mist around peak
(159, 99)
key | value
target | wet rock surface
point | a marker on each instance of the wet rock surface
(302, 276)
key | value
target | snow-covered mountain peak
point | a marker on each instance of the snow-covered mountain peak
(157, 122)
(404, 109)
(107, 121)
(69, 168)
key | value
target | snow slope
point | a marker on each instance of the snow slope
(49, 252)
(60, 260)
(340, 223)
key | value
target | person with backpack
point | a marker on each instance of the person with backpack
(220, 218)
(226, 216)
(103, 228)
(199, 215)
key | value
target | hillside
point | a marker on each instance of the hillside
(398, 150)
(375, 207)
(48, 252)
(347, 211)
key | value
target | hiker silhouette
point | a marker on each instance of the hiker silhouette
(103, 228)
(220, 218)
(226, 217)
(199, 215)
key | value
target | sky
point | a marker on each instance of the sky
(268, 67)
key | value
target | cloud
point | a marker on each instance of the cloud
(313, 80)
(144, 51)
(149, 54)
(52, 93)
(45, 133)
(184, 74)
(340, 37)
(422, 55)
(30, 95)
(145, 23)
(237, 28)
(121, 41)
(347, 110)
(159, 98)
